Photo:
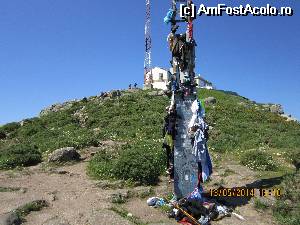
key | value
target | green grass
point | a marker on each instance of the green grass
(9, 189)
(260, 205)
(287, 208)
(258, 160)
(26, 209)
(124, 213)
(228, 172)
(246, 126)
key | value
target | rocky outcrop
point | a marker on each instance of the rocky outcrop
(57, 107)
(156, 93)
(210, 100)
(115, 93)
(10, 218)
(64, 155)
(81, 116)
(16, 217)
(289, 117)
(274, 108)
(277, 108)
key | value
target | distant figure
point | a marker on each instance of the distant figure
(129, 87)
(135, 85)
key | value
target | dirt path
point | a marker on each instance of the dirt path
(76, 200)
(231, 175)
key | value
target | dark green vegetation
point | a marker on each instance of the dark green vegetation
(287, 208)
(19, 155)
(240, 124)
(9, 189)
(134, 118)
(139, 161)
(24, 210)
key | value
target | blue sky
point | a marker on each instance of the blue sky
(56, 50)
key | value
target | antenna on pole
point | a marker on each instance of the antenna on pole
(148, 79)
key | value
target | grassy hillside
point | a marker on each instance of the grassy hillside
(258, 138)
(136, 118)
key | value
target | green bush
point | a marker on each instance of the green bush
(26, 209)
(137, 162)
(10, 127)
(258, 160)
(101, 166)
(140, 163)
(294, 155)
(19, 155)
(2, 135)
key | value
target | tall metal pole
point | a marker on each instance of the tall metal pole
(148, 46)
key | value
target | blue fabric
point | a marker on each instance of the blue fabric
(200, 150)
(169, 16)
(196, 194)
(174, 85)
(160, 202)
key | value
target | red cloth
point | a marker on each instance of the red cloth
(185, 221)
(190, 30)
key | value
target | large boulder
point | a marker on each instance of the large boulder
(115, 93)
(210, 100)
(10, 218)
(287, 117)
(156, 93)
(277, 108)
(58, 107)
(64, 155)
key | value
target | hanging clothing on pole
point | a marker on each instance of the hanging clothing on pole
(199, 127)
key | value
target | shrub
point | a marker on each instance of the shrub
(294, 155)
(258, 160)
(26, 209)
(10, 127)
(2, 135)
(101, 165)
(139, 163)
(260, 205)
(19, 155)
(287, 207)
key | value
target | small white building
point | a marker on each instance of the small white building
(158, 78)
(202, 83)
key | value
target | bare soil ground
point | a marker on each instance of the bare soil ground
(75, 199)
